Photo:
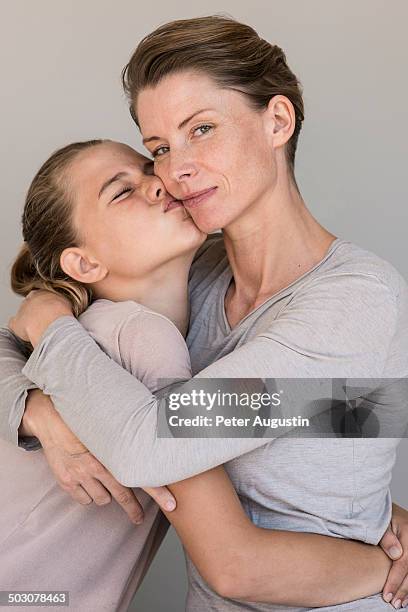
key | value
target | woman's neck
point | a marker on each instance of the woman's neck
(270, 246)
(164, 291)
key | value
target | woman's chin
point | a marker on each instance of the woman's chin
(206, 225)
(210, 219)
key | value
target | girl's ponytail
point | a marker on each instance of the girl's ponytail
(25, 277)
(48, 230)
(23, 272)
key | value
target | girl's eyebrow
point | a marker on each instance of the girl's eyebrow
(113, 179)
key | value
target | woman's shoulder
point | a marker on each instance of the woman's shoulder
(348, 260)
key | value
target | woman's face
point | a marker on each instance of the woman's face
(210, 148)
(124, 215)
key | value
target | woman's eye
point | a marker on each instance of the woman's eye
(121, 192)
(159, 151)
(202, 129)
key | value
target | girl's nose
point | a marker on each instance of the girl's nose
(155, 191)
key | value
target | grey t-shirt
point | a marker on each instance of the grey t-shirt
(347, 317)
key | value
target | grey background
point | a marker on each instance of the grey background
(60, 81)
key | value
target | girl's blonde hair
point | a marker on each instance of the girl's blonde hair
(48, 230)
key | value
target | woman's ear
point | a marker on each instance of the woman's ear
(280, 120)
(81, 267)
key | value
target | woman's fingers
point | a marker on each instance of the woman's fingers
(78, 472)
(124, 496)
(78, 494)
(85, 479)
(162, 497)
(96, 491)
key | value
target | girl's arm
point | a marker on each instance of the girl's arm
(241, 561)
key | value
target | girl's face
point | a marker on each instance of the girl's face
(125, 218)
(210, 148)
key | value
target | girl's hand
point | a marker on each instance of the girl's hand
(37, 311)
(395, 544)
(77, 471)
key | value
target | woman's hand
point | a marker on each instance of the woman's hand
(77, 471)
(395, 544)
(37, 311)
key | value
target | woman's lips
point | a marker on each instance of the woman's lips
(197, 198)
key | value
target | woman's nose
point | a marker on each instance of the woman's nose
(183, 172)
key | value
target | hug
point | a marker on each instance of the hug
(127, 280)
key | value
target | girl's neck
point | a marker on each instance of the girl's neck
(164, 291)
(271, 246)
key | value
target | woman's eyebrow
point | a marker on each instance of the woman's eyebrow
(181, 125)
(106, 184)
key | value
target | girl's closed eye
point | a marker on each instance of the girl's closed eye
(121, 192)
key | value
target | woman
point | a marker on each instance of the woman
(311, 306)
(98, 196)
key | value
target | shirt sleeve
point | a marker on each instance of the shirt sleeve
(340, 326)
(153, 349)
(14, 387)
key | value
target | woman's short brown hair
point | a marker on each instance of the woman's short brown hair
(231, 53)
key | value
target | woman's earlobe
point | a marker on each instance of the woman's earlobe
(281, 112)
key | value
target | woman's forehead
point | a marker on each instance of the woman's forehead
(174, 95)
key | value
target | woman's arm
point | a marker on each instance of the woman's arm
(84, 383)
(28, 418)
(238, 559)
(231, 584)
(241, 561)
(14, 388)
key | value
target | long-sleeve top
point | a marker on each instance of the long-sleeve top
(347, 317)
(48, 541)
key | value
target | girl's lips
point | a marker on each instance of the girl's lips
(199, 197)
(174, 204)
